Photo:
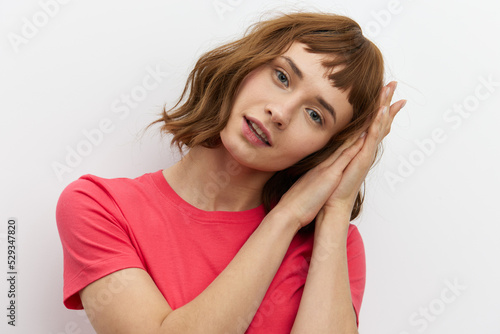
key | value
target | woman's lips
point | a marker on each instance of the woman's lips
(257, 135)
(259, 129)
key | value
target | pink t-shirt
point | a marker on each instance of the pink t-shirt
(107, 225)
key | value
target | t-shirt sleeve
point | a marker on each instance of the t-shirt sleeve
(95, 237)
(357, 268)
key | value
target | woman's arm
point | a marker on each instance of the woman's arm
(227, 305)
(326, 305)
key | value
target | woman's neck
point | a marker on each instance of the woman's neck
(211, 180)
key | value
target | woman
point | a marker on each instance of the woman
(250, 231)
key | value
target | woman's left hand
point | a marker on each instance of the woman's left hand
(344, 196)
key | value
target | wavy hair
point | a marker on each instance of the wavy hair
(204, 106)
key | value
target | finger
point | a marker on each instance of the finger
(379, 122)
(385, 102)
(348, 154)
(396, 107)
(377, 130)
(392, 111)
(381, 126)
(384, 93)
(335, 155)
(389, 93)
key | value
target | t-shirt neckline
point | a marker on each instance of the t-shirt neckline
(210, 216)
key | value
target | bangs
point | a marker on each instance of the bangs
(353, 64)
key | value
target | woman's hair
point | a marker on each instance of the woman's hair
(213, 83)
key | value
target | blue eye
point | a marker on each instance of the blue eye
(314, 116)
(282, 77)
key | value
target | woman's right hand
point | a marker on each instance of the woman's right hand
(302, 202)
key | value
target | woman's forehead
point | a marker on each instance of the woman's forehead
(314, 63)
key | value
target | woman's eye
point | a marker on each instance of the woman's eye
(282, 77)
(314, 116)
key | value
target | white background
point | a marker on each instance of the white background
(435, 225)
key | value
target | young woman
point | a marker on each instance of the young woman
(250, 231)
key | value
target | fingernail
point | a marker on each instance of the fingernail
(387, 91)
(384, 110)
(363, 134)
(404, 103)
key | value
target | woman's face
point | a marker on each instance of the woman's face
(284, 111)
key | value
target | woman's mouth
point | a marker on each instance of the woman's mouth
(257, 132)
(255, 128)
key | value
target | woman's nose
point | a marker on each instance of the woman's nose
(280, 114)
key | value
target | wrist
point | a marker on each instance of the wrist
(338, 211)
(283, 219)
(334, 223)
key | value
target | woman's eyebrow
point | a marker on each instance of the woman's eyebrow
(328, 107)
(321, 100)
(294, 67)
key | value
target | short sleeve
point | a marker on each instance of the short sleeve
(95, 238)
(357, 268)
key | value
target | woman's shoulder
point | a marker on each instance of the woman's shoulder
(102, 192)
(353, 232)
(355, 245)
(118, 181)
(99, 184)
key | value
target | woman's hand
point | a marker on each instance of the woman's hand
(344, 196)
(335, 182)
(302, 202)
